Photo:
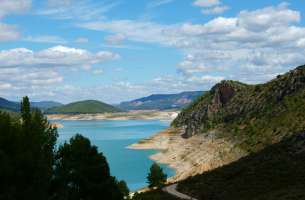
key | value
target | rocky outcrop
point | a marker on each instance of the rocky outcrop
(239, 105)
(205, 110)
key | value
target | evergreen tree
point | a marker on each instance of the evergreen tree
(83, 173)
(30, 168)
(124, 189)
(156, 176)
(26, 154)
(26, 113)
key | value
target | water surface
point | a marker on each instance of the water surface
(112, 138)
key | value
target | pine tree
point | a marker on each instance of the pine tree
(82, 172)
(26, 154)
(156, 176)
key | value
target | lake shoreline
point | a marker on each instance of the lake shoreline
(131, 115)
(188, 157)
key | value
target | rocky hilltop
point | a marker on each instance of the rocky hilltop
(251, 115)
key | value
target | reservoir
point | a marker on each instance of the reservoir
(112, 138)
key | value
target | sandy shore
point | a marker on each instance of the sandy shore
(132, 115)
(191, 156)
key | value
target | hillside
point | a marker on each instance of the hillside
(15, 106)
(251, 116)
(161, 101)
(247, 141)
(83, 107)
(9, 105)
(275, 173)
(44, 105)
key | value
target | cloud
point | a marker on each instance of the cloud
(268, 41)
(142, 31)
(14, 7)
(76, 10)
(215, 10)
(262, 19)
(253, 46)
(82, 40)
(206, 3)
(34, 82)
(57, 56)
(8, 7)
(115, 39)
(38, 74)
(98, 72)
(211, 7)
(45, 39)
(8, 32)
(4, 86)
(157, 3)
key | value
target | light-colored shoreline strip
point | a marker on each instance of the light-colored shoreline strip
(167, 116)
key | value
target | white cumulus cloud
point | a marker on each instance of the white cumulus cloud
(57, 56)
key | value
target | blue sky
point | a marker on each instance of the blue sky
(117, 50)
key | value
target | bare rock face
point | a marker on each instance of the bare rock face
(205, 111)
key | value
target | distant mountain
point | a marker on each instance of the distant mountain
(162, 101)
(44, 105)
(9, 105)
(83, 107)
(15, 106)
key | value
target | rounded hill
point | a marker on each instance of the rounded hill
(84, 107)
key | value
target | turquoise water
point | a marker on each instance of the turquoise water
(112, 138)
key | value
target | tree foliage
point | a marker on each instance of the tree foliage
(31, 167)
(83, 173)
(26, 154)
(156, 177)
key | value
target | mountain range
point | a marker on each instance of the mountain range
(152, 102)
(15, 106)
(161, 101)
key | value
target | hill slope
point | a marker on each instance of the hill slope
(9, 105)
(252, 116)
(275, 173)
(162, 101)
(15, 106)
(44, 105)
(83, 107)
(247, 140)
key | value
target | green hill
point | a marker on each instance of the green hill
(83, 107)
(252, 116)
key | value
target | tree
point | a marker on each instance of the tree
(156, 177)
(31, 168)
(25, 110)
(26, 154)
(83, 173)
(124, 189)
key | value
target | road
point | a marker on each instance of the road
(172, 189)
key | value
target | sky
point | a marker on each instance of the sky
(118, 50)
